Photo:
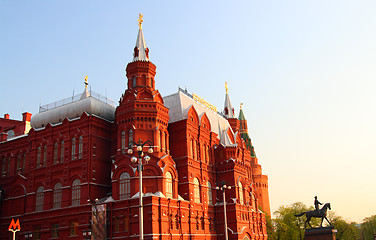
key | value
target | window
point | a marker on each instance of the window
(55, 230)
(73, 228)
(44, 155)
(126, 223)
(210, 195)
(23, 161)
(117, 224)
(160, 140)
(177, 221)
(19, 163)
(39, 153)
(169, 188)
(197, 197)
(80, 146)
(57, 196)
(56, 153)
(166, 142)
(62, 151)
(130, 135)
(5, 168)
(123, 140)
(73, 148)
(204, 154)
(124, 186)
(76, 192)
(36, 232)
(241, 197)
(134, 81)
(39, 199)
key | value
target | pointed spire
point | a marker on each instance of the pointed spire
(228, 109)
(241, 114)
(141, 51)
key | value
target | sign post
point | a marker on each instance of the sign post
(14, 227)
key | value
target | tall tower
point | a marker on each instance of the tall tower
(141, 113)
(228, 111)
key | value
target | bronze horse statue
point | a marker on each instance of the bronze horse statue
(316, 214)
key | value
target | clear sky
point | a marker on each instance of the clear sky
(305, 71)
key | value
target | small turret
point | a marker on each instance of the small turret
(243, 130)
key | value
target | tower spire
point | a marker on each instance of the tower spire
(228, 109)
(141, 51)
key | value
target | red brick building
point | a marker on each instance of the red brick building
(72, 168)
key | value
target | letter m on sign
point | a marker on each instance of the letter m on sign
(15, 225)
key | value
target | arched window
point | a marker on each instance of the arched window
(210, 194)
(39, 201)
(169, 187)
(44, 155)
(57, 196)
(123, 140)
(196, 192)
(124, 186)
(73, 148)
(56, 153)
(39, 153)
(130, 135)
(241, 196)
(192, 149)
(76, 192)
(62, 149)
(80, 146)
(246, 237)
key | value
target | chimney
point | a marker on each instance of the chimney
(6, 116)
(26, 117)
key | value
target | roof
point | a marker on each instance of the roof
(142, 48)
(179, 104)
(86, 103)
(228, 105)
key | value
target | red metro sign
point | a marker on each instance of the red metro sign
(15, 226)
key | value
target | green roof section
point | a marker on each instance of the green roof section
(241, 115)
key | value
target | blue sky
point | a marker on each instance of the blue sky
(305, 71)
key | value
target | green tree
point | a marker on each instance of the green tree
(368, 228)
(289, 227)
(345, 230)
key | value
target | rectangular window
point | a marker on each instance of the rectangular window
(36, 232)
(73, 228)
(126, 223)
(55, 230)
(117, 223)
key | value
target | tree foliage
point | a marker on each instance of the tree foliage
(368, 228)
(286, 226)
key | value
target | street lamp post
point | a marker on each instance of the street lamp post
(223, 188)
(139, 147)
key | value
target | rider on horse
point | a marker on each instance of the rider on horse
(317, 203)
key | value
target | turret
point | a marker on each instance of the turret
(141, 113)
(228, 111)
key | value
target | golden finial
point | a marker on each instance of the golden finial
(226, 87)
(86, 83)
(140, 20)
(241, 104)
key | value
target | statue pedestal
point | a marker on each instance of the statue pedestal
(320, 234)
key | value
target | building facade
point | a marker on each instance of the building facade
(72, 172)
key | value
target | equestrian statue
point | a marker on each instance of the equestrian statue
(317, 213)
